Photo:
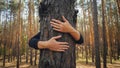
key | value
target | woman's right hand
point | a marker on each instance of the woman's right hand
(54, 45)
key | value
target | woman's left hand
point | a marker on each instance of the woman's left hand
(65, 27)
(60, 26)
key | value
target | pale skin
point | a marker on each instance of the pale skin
(60, 26)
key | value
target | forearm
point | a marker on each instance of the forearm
(42, 44)
(75, 34)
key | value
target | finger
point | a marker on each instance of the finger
(60, 50)
(63, 49)
(64, 46)
(64, 19)
(57, 37)
(57, 21)
(63, 43)
(57, 29)
(55, 26)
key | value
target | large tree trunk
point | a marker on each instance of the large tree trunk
(50, 9)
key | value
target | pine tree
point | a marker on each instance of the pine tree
(48, 10)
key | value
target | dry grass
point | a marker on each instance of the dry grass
(80, 64)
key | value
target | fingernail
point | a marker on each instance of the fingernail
(52, 19)
(59, 35)
(50, 22)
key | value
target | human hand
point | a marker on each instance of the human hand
(54, 45)
(60, 26)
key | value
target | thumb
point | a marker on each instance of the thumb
(64, 19)
(57, 37)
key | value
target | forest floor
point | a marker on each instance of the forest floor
(80, 64)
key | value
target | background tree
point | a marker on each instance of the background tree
(96, 35)
(104, 35)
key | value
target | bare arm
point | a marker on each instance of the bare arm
(75, 34)
(53, 45)
(65, 27)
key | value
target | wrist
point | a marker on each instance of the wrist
(46, 44)
(42, 44)
(75, 34)
(72, 30)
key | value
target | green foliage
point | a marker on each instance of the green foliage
(13, 6)
(2, 5)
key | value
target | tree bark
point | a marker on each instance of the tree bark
(91, 32)
(104, 36)
(110, 36)
(96, 34)
(48, 10)
(118, 4)
(30, 21)
(18, 51)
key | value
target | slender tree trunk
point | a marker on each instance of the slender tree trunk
(9, 52)
(4, 53)
(77, 52)
(18, 34)
(18, 53)
(27, 53)
(0, 43)
(117, 27)
(35, 62)
(0, 16)
(84, 16)
(96, 34)
(11, 35)
(91, 32)
(27, 40)
(118, 4)
(55, 9)
(35, 29)
(104, 36)
(86, 43)
(30, 5)
(110, 36)
(5, 41)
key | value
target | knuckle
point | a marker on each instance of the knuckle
(52, 37)
(60, 25)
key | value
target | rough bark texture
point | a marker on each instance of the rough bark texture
(104, 36)
(48, 10)
(96, 34)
